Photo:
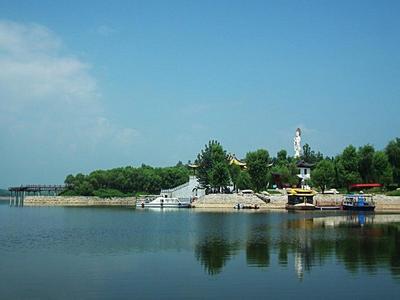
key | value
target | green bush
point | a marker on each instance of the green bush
(108, 193)
(122, 182)
(375, 190)
(393, 193)
(68, 193)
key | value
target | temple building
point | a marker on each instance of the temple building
(304, 171)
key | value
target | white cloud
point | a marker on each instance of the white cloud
(49, 96)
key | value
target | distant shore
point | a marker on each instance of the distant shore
(212, 201)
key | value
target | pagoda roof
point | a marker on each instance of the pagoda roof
(304, 164)
(234, 161)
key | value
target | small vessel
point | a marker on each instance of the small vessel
(358, 202)
(162, 202)
(321, 207)
(246, 206)
(300, 199)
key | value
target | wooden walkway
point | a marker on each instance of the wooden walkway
(18, 193)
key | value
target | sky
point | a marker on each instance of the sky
(88, 85)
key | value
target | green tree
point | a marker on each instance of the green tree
(287, 173)
(281, 157)
(243, 181)
(366, 154)
(85, 189)
(213, 163)
(234, 172)
(347, 166)
(69, 179)
(381, 167)
(257, 165)
(324, 174)
(310, 156)
(393, 152)
(126, 181)
(219, 178)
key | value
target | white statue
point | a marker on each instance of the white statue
(297, 143)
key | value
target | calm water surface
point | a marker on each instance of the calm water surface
(95, 253)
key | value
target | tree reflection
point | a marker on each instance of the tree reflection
(370, 247)
(358, 246)
(257, 252)
(213, 253)
(306, 242)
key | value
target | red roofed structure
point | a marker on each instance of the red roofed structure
(364, 185)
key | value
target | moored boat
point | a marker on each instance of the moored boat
(246, 206)
(358, 202)
(300, 199)
(162, 202)
(321, 207)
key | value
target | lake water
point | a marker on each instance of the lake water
(96, 253)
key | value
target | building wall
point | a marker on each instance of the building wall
(305, 173)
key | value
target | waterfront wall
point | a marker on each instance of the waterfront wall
(77, 201)
(227, 201)
(382, 202)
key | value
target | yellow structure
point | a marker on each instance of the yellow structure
(300, 199)
(234, 161)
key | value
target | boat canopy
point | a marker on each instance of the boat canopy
(301, 192)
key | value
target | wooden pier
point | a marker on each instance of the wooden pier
(18, 193)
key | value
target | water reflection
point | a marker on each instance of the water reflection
(359, 241)
(213, 253)
(257, 245)
(257, 252)
(364, 242)
(209, 241)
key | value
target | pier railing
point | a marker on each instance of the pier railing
(18, 193)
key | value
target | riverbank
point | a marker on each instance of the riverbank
(382, 202)
(213, 201)
(77, 201)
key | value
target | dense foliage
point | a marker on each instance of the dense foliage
(213, 170)
(126, 181)
(323, 176)
(362, 165)
(257, 166)
(393, 153)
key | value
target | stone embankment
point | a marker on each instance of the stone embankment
(77, 201)
(227, 201)
(382, 202)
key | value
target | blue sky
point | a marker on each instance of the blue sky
(86, 85)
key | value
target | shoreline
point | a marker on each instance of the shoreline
(78, 201)
(383, 203)
(212, 201)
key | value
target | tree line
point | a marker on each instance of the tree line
(216, 173)
(352, 165)
(127, 181)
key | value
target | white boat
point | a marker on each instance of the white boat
(161, 202)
